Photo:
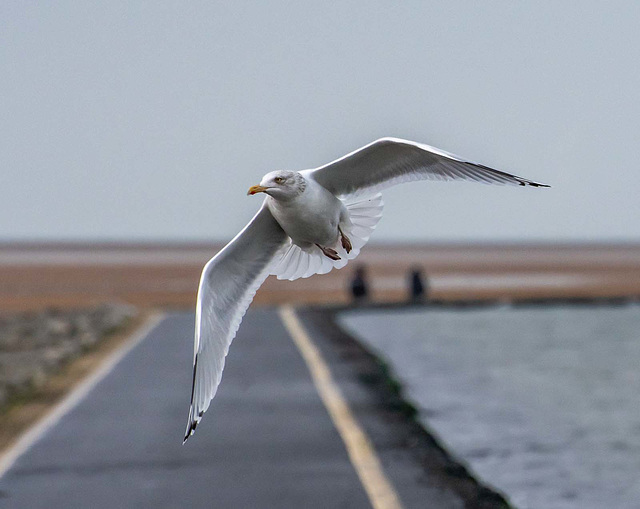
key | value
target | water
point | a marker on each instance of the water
(540, 402)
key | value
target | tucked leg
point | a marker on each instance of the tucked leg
(346, 243)
(327, 251)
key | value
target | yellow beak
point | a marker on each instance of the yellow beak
(256, 189)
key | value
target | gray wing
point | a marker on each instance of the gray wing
(227, 286)
(390, 161)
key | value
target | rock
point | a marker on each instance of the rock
(57, 326)
(20, 371)
(108, 317)
(87, 339)
(82, 325)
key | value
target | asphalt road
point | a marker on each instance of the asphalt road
(267, 441)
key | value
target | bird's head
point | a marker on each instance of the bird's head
(282, 185)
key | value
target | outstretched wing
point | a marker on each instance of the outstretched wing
(227, 286)
(390, 161)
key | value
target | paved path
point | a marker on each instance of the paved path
(266, 442)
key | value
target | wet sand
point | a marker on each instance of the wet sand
(166, 275)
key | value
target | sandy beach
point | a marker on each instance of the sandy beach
(161, 275)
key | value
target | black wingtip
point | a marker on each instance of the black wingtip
(191, 428)
(521, 181)
(531, 184)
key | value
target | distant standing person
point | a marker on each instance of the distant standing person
(418, 285)
(359, 285)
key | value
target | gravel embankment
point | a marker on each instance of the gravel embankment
(35, 345)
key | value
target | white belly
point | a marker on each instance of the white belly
(311, 218)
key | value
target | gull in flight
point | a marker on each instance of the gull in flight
(310, 222)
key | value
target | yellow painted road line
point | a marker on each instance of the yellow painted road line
(36, 432)
(359, 448)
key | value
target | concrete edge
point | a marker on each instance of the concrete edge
(451, 473)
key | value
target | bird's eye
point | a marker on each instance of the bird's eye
(278, 180)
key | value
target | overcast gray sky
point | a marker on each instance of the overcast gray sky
(150, 119)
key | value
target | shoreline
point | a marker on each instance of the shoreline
(147, 276)
(440, 467)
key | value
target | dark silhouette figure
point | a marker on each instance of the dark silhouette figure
(359, 285)
(418, 285)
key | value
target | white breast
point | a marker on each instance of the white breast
(310, 218)
(294, 262)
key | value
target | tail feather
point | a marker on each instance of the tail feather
(296, 262)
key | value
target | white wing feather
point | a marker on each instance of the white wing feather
(227, 286)
(390, 161)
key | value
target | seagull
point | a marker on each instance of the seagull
(310, 222)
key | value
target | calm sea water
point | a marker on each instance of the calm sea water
(541, 402)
